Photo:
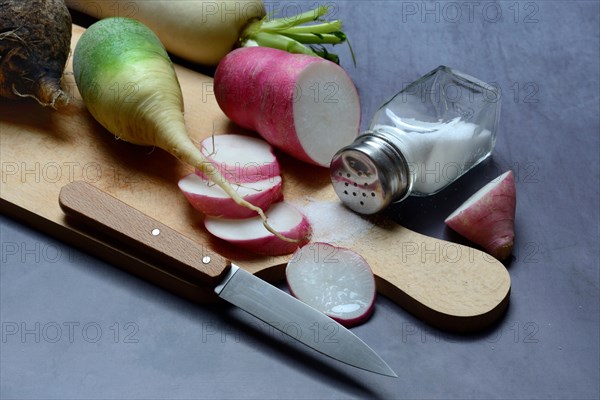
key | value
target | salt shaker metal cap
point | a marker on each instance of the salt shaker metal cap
(367, 176)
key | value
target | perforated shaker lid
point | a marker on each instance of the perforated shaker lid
(369, 174)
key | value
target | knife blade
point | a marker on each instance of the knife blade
(140, 232)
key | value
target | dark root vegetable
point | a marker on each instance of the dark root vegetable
(35, 40)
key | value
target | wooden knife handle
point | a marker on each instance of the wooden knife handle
(141, 233)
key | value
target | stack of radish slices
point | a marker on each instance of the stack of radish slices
(333, 280)
(250, 165)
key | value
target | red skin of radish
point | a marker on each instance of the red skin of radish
(265, 243)
(347, 322)
(256, 87)
(273, 246)
(489, 221)
(226, 207)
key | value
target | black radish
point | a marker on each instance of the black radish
(35, 41)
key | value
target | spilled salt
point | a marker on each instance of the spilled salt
(333, 223)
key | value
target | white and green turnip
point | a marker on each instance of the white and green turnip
(124, 53)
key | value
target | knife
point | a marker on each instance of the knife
(136, 230)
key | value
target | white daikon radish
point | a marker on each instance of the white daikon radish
(203, 31)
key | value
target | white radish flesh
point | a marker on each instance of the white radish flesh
(240, 158)
(210, 199)
(306, 106)
(336, 281)
(327, 111)
(251, 235)
(487, 217)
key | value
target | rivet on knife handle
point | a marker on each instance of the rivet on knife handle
(140, 232)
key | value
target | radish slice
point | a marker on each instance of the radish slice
(334, 280)
(250, 233)
(487, 218)
(241, 158)
(210, 199)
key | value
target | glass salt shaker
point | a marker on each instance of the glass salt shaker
(419, 142)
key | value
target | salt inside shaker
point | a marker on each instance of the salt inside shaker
(419, 142)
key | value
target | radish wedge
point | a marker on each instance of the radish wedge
(241, 158)
(250, 234)
(487, 218)
(210, 199)
(334, 280)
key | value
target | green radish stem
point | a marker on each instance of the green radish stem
(129, 85)
(293, 35)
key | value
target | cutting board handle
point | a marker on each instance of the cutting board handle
(144, 234)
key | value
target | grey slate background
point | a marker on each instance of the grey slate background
(90, 331)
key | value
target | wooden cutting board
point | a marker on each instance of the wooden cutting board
(448, 285)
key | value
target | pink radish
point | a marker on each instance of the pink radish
(250, 233)
(334, 280)
(210, 199)
(487, 218)
(240, 158)
(304, 105)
